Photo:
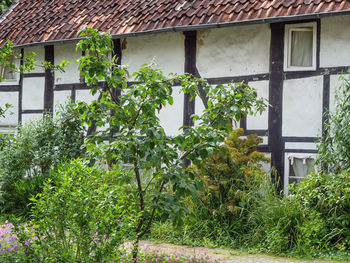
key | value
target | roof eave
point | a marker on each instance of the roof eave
(201, 27)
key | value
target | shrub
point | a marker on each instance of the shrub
(84, 217)
(233, 176)
(326, 200)
(334, 147)
(234, 182)
(26, 157)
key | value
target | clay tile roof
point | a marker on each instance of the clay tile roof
(30, 21)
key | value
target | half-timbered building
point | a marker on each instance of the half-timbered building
(291, 51)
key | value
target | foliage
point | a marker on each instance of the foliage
(234, 183)
(136, 137)
(326, 198)
(334, 147)
(4, 4)
(84, 217)
(274, 223)
(26, 157)
(232, 176)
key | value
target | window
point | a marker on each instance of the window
(298, 166)
(8, 74)
(300, 47)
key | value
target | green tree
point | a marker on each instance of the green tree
(4, 4)
(134, 133)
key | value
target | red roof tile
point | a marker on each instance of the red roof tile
(30, 21)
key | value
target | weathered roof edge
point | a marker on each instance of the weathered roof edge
(9, 10)
(195, 27)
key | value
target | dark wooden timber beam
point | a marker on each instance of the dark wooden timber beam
(49, 80)
(276, 99)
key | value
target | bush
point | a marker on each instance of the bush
(233, 176)
(334, 147)
(26, 157)
(326, 200)
(234, 182)
(84, 217)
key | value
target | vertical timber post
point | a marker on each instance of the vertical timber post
(276, 100)
(49, 80)
(190, 67)
(20, 92)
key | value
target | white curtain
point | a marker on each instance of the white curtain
(301, 48)
(302, 166)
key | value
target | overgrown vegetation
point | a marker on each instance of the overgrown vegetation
(313, 221)
(27, 157)
(4, 4)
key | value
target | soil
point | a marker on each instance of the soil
(218, 254)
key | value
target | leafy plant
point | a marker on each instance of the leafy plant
(26, 157)
(136, 137)
(4, 4)
(81, 216)
(233, 175)
(334, 147)
(326, 198)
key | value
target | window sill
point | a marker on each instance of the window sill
(294, 69)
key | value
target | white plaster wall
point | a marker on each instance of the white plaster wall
(302, 107)
(67, 51)
(259, 121)
(40, 57)
(11, 116)
(30, 117)
(167, 49)
(84, 95)
(267, 166)
(234, 51)
(335, 39)
(33, 93)
(60, 98)
(171, 116)
(300, 146)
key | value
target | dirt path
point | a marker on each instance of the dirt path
(219, 255)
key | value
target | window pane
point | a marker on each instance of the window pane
(6, 72)
(301, 49)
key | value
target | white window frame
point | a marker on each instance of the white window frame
(288, 42)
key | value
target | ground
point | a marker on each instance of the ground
(220, 255)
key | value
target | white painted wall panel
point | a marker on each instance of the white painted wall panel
(260, 121)
(61, 98)
(302, 107)
(40, 57)
(300, 146)
(167, 49)
(67, 51)
(33, 93)
(84, 95)
(234, 51)
(30, 117)
(11, 116)
(335, 39)
(267, 166)
(171, 116)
